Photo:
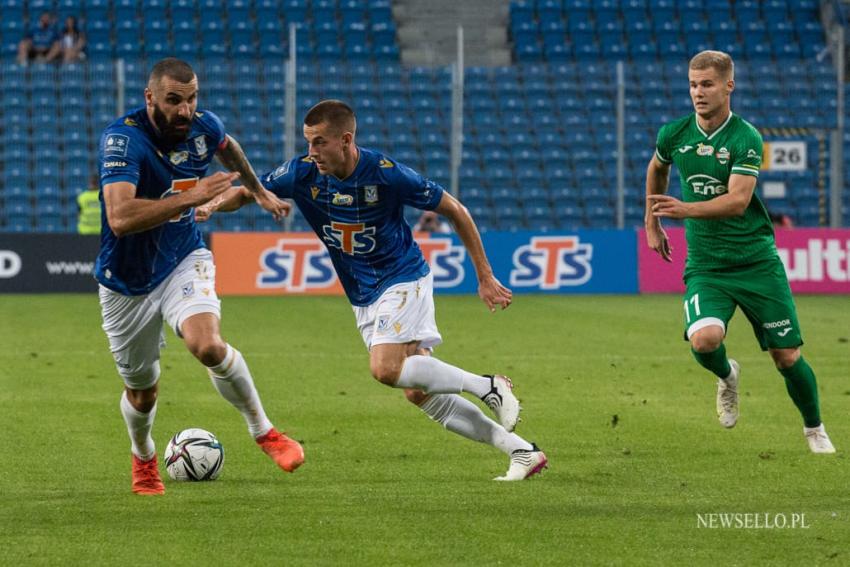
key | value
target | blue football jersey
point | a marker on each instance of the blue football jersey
(361, 219)
(131, 151)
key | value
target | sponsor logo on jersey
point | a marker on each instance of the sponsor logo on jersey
(130, 122)
(722, 156)
(445, 258)
(351, 238)
(751, 153)
(314, 191)
(784, 332)
(702, 184)
(201, 146)
(552, 262)
(385, 163)
(704, 150)
(115, 164)
(116, 145)
(178, 186)
(370, 194)
(684, 149)
(296, 264)
(343, 199)
(281, 170)
(383, 323)
(178, 157)
(777, 324)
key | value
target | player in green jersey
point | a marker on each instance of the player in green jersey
(732, 260)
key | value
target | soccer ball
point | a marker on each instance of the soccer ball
(194, 454)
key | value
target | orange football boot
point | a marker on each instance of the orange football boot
(286, 452)
(146, 478)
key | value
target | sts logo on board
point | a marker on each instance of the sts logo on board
(445, 258)
(552, 262)
(296, 264)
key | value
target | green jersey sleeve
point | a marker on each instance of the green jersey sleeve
(662, 146)
(747, 153)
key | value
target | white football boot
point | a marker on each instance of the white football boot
(501, 400)
(525, 464)
(818, 440)
(727, 396)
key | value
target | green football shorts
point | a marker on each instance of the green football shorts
(761, 291)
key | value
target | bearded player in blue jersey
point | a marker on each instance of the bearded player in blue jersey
(153, 266)
(354, 200)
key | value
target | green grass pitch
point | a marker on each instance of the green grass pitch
(609, 389)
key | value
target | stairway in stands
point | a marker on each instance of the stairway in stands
(427, 31)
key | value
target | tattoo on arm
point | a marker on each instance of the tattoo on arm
(233, 157)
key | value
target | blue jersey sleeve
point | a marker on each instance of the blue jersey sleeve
(216, 128)
(281, 181)
(416, 191)
(120, 156)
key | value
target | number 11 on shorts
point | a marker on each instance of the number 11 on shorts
(694, 300)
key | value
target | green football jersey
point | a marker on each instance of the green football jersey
(705, 163)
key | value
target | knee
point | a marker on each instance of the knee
(785, 357)
(707, 340)
(385, 372)
(210, 351)
(415, 397)
(142, 400)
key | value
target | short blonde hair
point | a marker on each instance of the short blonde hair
(717, 60)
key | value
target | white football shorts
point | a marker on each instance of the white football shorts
(404, 313)
(134, 323)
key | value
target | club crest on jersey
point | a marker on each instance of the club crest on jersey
(370, 194)
(178, 157)
(343, 199)
(722, 156)
(201, 146)
(116, 145)
(189, 290)
(314, 191)
(703, 150)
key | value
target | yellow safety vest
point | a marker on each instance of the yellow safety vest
(89, 221)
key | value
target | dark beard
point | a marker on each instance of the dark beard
(170, 135)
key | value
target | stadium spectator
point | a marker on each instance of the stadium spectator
(88, 203)
(153, 265)
(41, 42)
(354, 198)
(73, 41)
(732, 259)
(433, 223)
(781, 220)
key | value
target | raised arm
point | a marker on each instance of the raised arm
(127, 214)
(233, 158)
(491, 291)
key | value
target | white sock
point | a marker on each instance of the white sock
(433, 376)
(459, 415)
(139, 427)
(233, 381)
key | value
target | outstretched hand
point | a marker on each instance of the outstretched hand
(270, 202)
(667, 206)
(493, 293)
